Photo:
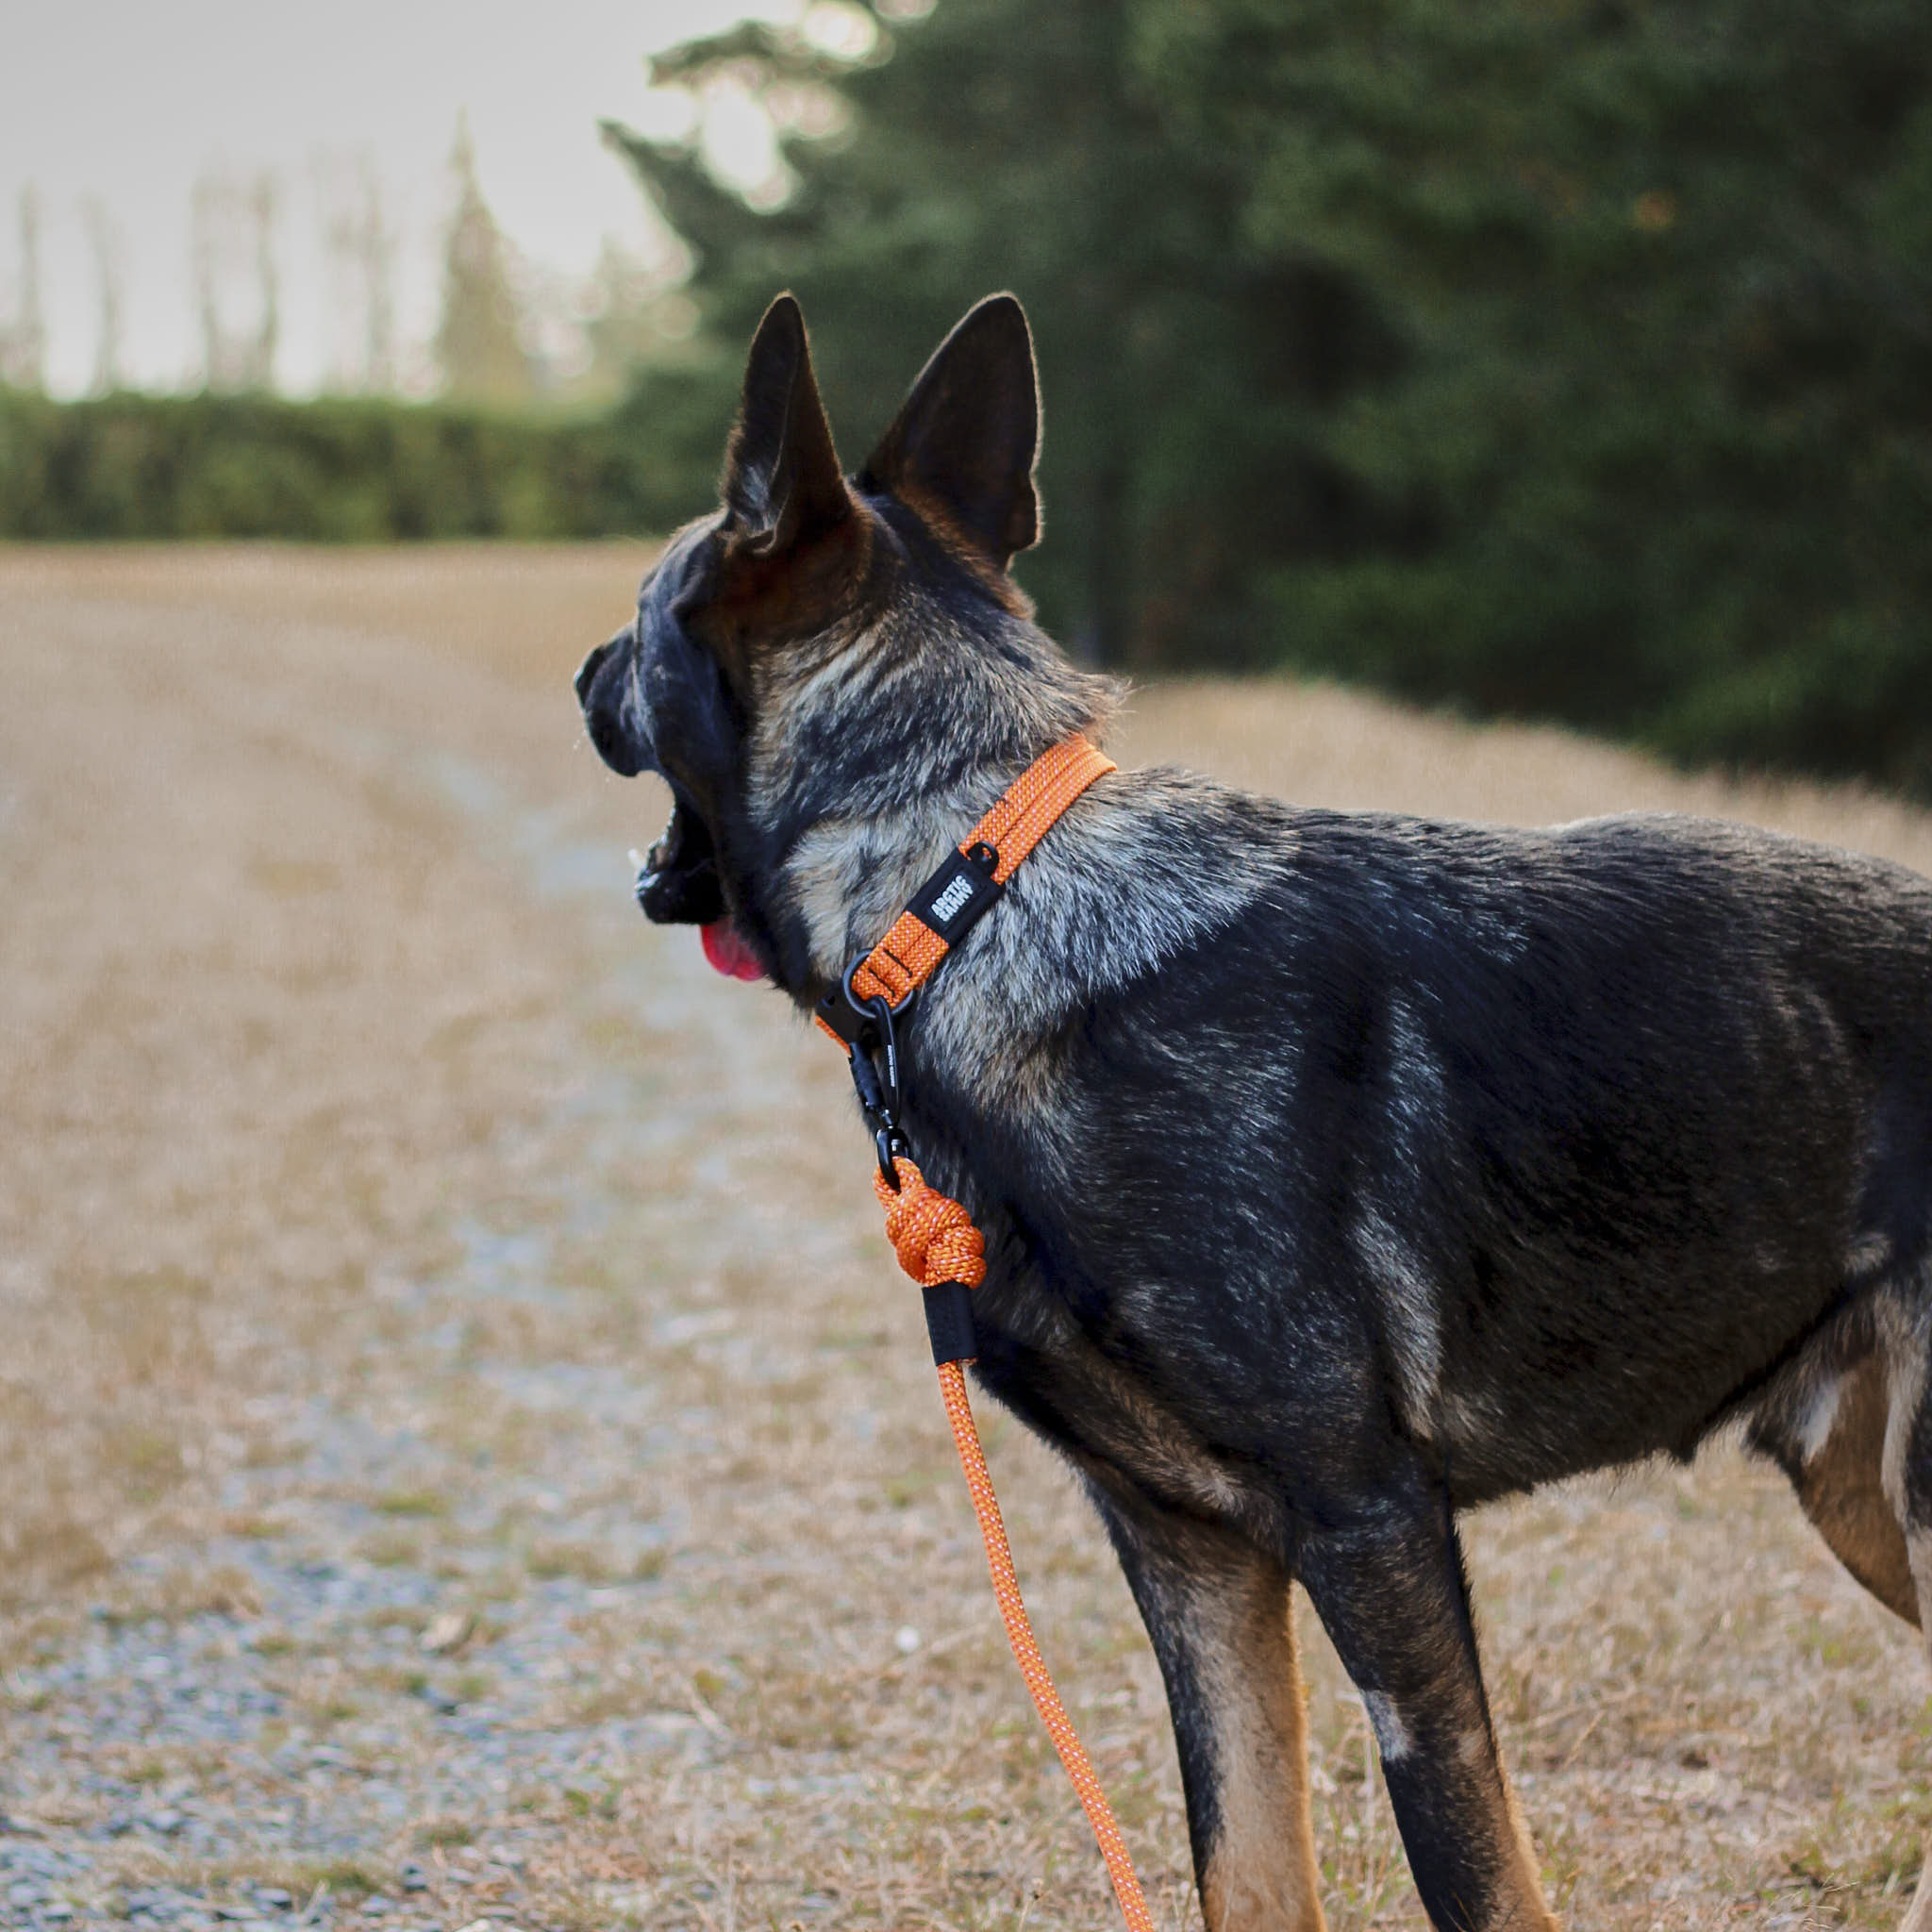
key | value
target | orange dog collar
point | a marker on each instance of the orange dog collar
(964, 889)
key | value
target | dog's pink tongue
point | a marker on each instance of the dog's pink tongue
(728, 953)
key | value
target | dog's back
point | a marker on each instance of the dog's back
(1581, 1132)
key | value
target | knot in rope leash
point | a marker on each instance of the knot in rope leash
(933, 1234)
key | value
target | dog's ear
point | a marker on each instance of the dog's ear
(968, 435)
(781, 483)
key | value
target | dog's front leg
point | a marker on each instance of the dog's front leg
(1385, 1575)
(1222, 1628)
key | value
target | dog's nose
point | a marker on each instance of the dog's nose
(588, 669)
(602, 688)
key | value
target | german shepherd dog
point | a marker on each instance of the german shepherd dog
(1338, 1171)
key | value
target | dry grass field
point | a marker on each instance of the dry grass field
(466, 1452)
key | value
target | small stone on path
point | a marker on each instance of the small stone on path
(448, 1633)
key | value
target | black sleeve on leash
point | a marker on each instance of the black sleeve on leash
(949, 1322)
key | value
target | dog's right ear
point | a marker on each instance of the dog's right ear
(781, 483)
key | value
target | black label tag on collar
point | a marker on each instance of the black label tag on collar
(955, 895)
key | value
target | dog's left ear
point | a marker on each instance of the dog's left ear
(968, 435)
(781, 483)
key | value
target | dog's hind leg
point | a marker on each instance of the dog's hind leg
(1832, 1446)
(1384, 1573)
(1906, 1466)
(1854, 1433)
(1222, 1625)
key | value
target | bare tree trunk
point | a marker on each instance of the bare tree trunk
(377, 249)
(104, 238)
(203, 218)
(33, 327)
(262, 371)
(25, 363)
(236, 289)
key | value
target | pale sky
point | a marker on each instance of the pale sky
(127, 101)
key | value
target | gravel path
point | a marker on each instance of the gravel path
(468, 1457)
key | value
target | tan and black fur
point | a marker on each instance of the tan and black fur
(1338, 1171)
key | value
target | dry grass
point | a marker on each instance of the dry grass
(306, 1025)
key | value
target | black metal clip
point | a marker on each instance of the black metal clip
(881, 1115)
(881, 1014)
(868, 1027)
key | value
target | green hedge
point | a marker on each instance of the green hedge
(335, 471)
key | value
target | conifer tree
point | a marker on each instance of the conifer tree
(476, 344)
(1559, 360)
(994, 144)
(1661, 277)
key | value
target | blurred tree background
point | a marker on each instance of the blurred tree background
(1552, 357)
(1559, 360)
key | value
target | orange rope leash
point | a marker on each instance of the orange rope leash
(1047, 1700)
(937, 1242)
(937, 1246)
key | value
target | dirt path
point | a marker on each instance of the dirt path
(468, 1455)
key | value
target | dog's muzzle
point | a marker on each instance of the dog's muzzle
(604, 690)
(678, 885)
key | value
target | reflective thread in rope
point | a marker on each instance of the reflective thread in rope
(933, 1234)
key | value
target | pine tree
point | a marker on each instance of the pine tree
(476, 344)
(996, 144)
(1571, 361)
(1662, 277)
